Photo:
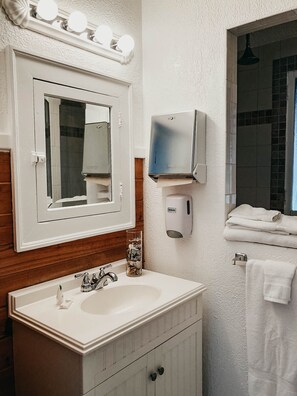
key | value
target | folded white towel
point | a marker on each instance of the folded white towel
(271, 338)
(278, 278)
(248, 235)
(246, 211)
(284, 225)
(287, 224)
(267, 226)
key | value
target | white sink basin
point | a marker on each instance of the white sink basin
(97, 317)
(120, 299)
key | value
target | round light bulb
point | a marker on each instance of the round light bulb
(77, 22)
(47, 9)
(125, 44)
(103, 35)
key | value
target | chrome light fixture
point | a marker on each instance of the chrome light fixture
(77, 22)
(46, 10)
(103, 35)
(248, 58)
(125, 44)
(44, 17)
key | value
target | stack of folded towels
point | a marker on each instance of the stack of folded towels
(246, 223)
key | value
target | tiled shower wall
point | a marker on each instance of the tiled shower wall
(279, 123)
(261, 125)
(230, 174)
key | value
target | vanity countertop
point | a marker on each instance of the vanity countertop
(122, 306)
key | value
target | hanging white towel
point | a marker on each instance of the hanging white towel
(271, 338)
(246, 211)
(278, 278)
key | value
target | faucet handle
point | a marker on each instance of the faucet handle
(81, 274)
(102, 272)
(86, 283)
(94, 278)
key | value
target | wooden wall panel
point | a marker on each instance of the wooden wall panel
(6, 233)
(19, 270)
(5, 356)
(6, 382)
(5, 174)
(4, 323)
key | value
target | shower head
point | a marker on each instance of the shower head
(248, 58)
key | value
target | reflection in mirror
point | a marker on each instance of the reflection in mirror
(266, 120)
(78, 152)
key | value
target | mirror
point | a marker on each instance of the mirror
(266, 120)
(78, 152)
(79, 145)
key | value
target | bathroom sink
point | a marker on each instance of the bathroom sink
(93, 319)
(120, 299)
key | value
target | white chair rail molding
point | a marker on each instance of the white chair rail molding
(44, 17)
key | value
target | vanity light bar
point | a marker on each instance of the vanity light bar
(74, 29)
(44, 17)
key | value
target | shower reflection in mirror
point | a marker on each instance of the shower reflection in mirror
(266, 157)
(78, 152)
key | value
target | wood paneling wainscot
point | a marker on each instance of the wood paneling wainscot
(19, 270)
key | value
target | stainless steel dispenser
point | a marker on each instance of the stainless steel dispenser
(177, 147)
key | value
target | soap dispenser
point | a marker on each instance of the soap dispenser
(179, 217)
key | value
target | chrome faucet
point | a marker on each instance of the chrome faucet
(103, 279)
(96, 282)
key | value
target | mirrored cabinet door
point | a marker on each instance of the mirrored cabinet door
(76, 134)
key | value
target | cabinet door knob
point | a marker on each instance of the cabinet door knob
(153, 376)
(161, 370)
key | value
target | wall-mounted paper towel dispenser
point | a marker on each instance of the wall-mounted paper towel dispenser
(177, 148)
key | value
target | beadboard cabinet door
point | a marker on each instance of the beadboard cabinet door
(131, 381)
(180, 361)
(172, 369)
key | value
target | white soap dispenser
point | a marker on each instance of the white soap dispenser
(179, 217)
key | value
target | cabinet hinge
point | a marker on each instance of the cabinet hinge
(121, 190)
(38, 158)
(120, 120)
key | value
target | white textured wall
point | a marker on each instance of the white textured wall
(122, 16)
(184, 58)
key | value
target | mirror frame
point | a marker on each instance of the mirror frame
(93, 219)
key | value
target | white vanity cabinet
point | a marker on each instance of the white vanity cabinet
(150, 349)
(173, 369)
(121, 367)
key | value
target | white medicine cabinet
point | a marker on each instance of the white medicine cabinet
(73, 168)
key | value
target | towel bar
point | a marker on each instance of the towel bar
(240, 259)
